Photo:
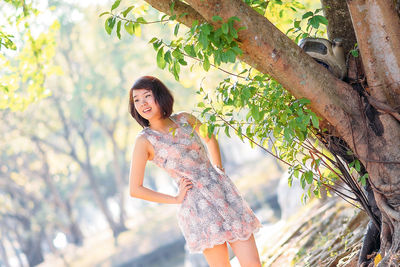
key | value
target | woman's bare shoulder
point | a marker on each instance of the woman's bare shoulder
(186, 117)
(141, 139)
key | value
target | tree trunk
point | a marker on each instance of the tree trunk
(3, 253)
(87, 168)
(75, 233)
(377, 27)
(118, 179)
(117, 228)
(32, 249)
(340, 25)
(17, 252)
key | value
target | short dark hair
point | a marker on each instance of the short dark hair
(160, 92)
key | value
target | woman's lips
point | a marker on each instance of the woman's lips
(146, 110)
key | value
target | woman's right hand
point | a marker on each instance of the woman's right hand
(184, 185)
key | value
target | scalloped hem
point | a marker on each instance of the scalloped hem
(200, 250)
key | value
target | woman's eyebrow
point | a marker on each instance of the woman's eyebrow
(142, 94)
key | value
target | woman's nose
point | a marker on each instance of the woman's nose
(143, 102)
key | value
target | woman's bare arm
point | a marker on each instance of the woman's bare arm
(139, 159)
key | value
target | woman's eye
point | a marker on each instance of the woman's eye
(136, 100)
(148, 95)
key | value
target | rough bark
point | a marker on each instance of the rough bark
(377, 27)
(179, 9)
(340, 25)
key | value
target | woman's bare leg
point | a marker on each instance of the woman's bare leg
(217, 256)
(246, 252)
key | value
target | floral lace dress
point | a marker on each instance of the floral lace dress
(213, 211)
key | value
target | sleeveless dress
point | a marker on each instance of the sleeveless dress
(212, 211)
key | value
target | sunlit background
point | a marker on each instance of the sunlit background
(65, 157)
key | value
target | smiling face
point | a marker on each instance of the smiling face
(146, 104)
(149, 99)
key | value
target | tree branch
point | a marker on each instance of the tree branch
(179, 9)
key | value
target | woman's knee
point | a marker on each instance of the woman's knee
(217, 256)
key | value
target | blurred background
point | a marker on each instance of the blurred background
(65, 157)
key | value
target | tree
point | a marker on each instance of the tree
(26, 52)
(363, 123)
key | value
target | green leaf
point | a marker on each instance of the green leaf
(234, 18)
(177, 53)
(206, 64)
(227, 131)
(183, 14)
(104, 13)
(303, 181)
(176, 70)
(231, 55)
(321, 19)
(237, 50)
(137, 30)
(153, 40)
(119, 29)
(129, 28)
(109, 24)
(141, 20)
(171, 7)
(314, 120)
(354, 52)
(314, 22)
(160, 58)
(189, 49)
(309, 176)
(194, 26)
(182, 62)
(308, 14)
(255, 113)
(216, 18)
(206, 29)
(351, 164)
(115, 5)
(203, 39)
(176, 29)
(126, 11)
(225, 28)
(167, 57)
(290, 180)
(203, 129)
(357, 165)
(363, 179)
(157, 44)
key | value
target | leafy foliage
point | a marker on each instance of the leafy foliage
(25, 68)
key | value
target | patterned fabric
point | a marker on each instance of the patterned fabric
(213, 211)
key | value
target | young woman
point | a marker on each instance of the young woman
(212, 213)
